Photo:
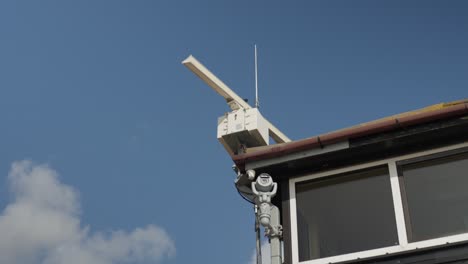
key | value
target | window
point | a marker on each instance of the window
(348, 213)
(399, 204)
(436, 196)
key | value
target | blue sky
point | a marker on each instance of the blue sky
(96, 90)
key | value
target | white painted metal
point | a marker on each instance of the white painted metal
(355, 256)
(209, 78)
(268, 214)
(245, 126)
(236, 121)
(258, 242)
(293, 224)
(276, 134)
(275, 241)
(234, 101)
(401, 229)
(389, 250)
(397, 203)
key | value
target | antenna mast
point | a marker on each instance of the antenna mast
(256, 79)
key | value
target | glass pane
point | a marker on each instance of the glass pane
(437, 197)
(345, 214)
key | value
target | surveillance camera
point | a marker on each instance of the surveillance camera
(264, 183)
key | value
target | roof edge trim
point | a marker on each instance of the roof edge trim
(449, 110)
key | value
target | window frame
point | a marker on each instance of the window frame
(399, 166)
(399, 206)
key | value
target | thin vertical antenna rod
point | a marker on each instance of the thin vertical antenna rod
(256, 79)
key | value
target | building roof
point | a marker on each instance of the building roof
(425, 115)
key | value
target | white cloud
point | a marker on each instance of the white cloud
(42, 225)
(266, 258)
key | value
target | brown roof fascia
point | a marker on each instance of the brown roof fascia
(433, 113)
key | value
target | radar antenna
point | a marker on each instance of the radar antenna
(234, 101)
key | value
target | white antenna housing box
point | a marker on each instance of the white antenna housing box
(242, 128)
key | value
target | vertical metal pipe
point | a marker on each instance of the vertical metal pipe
(275, 241)
(257, 237)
